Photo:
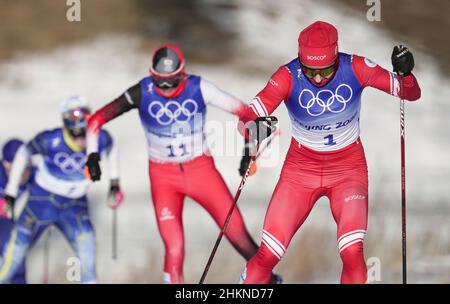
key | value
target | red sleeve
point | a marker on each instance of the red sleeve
(370, 74)
(124, 103)
(107, 113)
(266, 101)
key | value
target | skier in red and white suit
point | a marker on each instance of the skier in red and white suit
(322, 90)
(172, 107)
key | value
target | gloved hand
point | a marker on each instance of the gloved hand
(92, 169)
(249, 150)
(402, 60)
(261, 128)
(7, 207)
(115, 195)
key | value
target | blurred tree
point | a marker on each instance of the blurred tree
(39, 25)
(421, 24)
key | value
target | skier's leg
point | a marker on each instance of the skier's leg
(349, 200)
(168, 203)
(13, 254)
(75, 224)
(6, 227)
(25, 229)
(207, 187)
(20, 275)
(288, 209)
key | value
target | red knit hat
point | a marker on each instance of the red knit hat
(317, 45)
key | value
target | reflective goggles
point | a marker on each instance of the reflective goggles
(311, 72)
(76, 118)
(167, 82)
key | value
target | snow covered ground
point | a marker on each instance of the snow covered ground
(31, 88)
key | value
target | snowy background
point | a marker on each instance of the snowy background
(33, 84)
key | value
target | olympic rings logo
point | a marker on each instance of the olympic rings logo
(316, 105)
(172, 111)
(70, 164)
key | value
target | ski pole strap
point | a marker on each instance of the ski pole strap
(269, 141)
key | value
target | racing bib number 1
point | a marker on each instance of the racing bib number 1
(330, 140)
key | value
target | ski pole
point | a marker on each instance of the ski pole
(46, 272)
(114, 234)
(230, 212)
(114, 199)
(403, 178)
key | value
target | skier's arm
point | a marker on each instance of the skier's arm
(19, 164)
(38, 145)
(113, 163)
(216, 97)
(115, 195)
(110, 150)
(129, 100)
(277, 89)
(370, 74)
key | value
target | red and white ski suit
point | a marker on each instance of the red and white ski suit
(179, 162)
(326, 158)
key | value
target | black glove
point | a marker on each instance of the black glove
(93, 166)
(246, 157)
(402, 60)
(7, 207)
(261, 128)
(115, 195)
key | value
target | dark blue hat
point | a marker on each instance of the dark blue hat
(10, 149)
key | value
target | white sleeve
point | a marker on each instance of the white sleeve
(92, 141)
(113, 162)
(18, 167)
(216, 97)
